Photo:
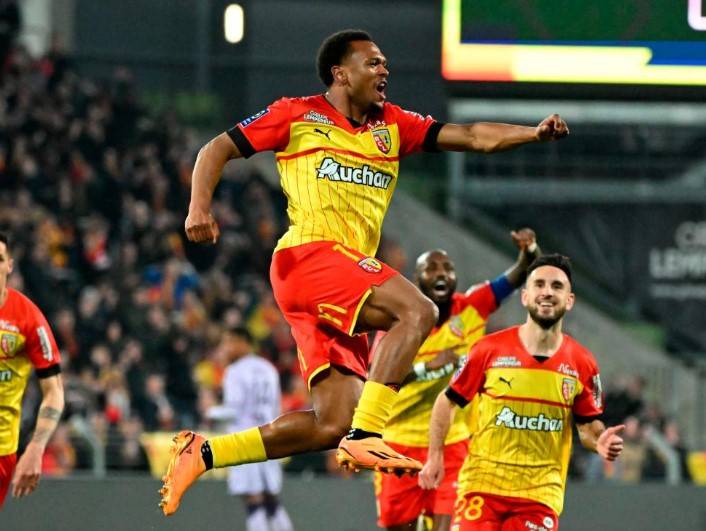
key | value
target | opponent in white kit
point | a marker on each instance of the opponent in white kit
(251, 397)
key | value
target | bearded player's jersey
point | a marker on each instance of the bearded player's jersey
(411, 414)
(26, 341)
(338, 177)
(525, 409)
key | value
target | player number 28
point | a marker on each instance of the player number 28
(470, 509)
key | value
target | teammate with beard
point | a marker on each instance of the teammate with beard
(531, 381)
(462, 320)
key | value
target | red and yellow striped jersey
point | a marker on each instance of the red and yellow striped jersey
(338, 178)
(411, 414)
(525, 409)
(25, 341)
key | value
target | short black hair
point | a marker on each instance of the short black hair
(555, 260)
(6, 240)
(241, 332)
(334, 50)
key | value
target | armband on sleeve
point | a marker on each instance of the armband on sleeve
(502, 288)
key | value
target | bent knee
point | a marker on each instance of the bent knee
(423, 315)
(329, 435)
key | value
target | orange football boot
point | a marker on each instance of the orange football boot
(185, 466)
(372, 453)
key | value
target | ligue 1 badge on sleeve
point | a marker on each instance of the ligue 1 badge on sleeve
(254, 117)
(370, 264)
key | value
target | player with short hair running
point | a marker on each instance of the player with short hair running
(533, 381)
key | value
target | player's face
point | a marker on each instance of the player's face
(547, 295)
(365, 73)
(5, 264)
(436, 276)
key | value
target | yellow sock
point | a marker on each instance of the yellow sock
(374, 407)
(238, 448)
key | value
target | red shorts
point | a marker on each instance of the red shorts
(402, 500)
(489, 512)
(7, 467)
(320, 288)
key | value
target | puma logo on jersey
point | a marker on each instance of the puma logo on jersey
(508, 382)
(324, 133)
(335, 171)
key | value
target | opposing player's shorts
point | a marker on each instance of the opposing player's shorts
(255, 478)
(476, 511)
(320, 288)
(7, 468)
(401, 499)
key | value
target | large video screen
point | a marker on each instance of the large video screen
(657, 42)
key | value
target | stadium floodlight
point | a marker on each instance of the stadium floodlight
(234, 23)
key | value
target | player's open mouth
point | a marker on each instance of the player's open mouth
(440, 288)
(380, 88)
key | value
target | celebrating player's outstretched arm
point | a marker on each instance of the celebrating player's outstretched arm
(489, 137)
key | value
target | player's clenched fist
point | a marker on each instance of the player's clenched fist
(200, 227)
(552, 128)
(524, 239)
(610, 444)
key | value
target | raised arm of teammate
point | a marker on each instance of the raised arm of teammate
(29, 467)
(526, 241)
(200, 226)
(442, 415)
(606, 442)
(488, 137)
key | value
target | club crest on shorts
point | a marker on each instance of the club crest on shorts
(568, 386)
(383, 140)
(370, 265)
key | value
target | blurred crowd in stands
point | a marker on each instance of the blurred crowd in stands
(652, 440)
(94, 191)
